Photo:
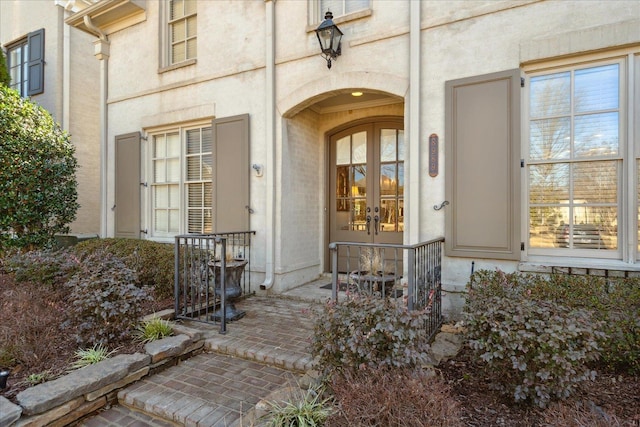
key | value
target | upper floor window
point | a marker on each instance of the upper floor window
(182, 31)
(25, 61)
(342, 7)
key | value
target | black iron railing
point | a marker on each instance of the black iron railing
(410, 272)
(202, 266)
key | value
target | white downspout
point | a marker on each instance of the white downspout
(101, 51)
(270, 138)
(413, 199)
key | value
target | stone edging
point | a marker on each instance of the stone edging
(81, 392)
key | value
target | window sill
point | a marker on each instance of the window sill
(176, 66)
(596, 267)
(342, 19)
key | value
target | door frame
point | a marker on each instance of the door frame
(398, 120)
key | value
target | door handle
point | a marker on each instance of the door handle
(376, 220)
(368, 224)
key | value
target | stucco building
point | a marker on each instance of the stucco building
(508, 127)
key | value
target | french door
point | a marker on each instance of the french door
(367, 183)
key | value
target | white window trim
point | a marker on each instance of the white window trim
(164, 48)
(147, 171)
(627, 255)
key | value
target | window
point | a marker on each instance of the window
(169, 150)
(182, 31)
(25, 60)
(581, 169)
(342, 7)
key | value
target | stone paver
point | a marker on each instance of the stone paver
(262, 352)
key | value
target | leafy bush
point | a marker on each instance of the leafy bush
(393, 397)
(300, 410)
(154, 329)
(38, 188)
(535, 349)
(367, 331)
(105, 300)
(5, 78)
(45, 267)
(613, 301)
(152, 261)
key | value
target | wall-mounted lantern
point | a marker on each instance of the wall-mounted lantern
(329, 37)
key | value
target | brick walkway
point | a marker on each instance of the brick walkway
(262, 352)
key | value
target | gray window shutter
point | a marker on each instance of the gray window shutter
(231, 174)
(35, 41)
(127, 190)
(482, 155)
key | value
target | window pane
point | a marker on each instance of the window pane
(161, 220)
(335, 6)
(596, 88)
(176, 9)
(595, 182)
(174, 221)
(194, 222)
(173, 145)
(190, 6)
(173, 170)
(207, 140)
(550, 95)
(192, 26)
(400, 145)
(159, 146)
(195, 195)
(191, 49)
(343, 151)
(548, 183)
(193, 141)
(359, 147)
(161, 196)
(359, 179)
(388, 215)
(355, 5)
(174, 196)
(596, 135)
(208, 194)
(388, 145)
(178, 31)
(159, 171)
(193, 168)
(388, 183)
(550, 139)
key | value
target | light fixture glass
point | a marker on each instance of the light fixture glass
(357, 93)
(329, 37)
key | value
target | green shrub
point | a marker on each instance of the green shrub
(38, 187)
(368, 331)
(105, 301)
(5, 78)
(613, 301)
(535, 349)
(45, 267)
(393, 397)
(152, 261)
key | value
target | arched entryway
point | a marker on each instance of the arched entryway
(366, 181)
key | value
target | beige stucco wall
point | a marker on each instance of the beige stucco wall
(457, 39)
(70, 91)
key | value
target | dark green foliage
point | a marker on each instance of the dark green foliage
(38, 188)
(46, 267)
(540, 335)
(153, 262)
(105, 300)
(363, 331)
(5, 78)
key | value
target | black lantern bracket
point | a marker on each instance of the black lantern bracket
(330, 38)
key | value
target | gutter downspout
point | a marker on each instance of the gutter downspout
(270, 138)
(414, 125)
(101, 51)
